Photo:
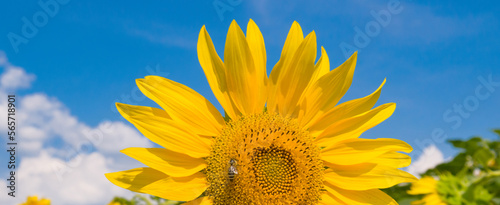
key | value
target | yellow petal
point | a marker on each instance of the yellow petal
(353, 127)
(345, 110)
(44, 202)
(258, 49)
(33, 200)
(183, 104)
(366, 176)
(295, 77)
(433, 199)
(215, 72)
(355, 151)
(393, 159)
(200, 201)
(322, 67)
(171, 163)
(256, 44)
(156, 183)
(418, 202)
(135, 110)
(244, 82)
(326, 92)
(166, 132)
(292, 42)
(328, 198)
(368, 197)
(425, 185)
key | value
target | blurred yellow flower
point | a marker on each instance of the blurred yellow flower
(114, 203)
(33, 200)
(284, 139)
(428, 186)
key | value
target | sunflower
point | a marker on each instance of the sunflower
(428, 186)
(283, 140)
(33, 200)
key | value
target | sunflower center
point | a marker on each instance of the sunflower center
(274, 169)
(264, 159)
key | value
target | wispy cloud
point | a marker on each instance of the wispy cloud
(13, 77)
(419, 24)
(415, 25)
(161, 34)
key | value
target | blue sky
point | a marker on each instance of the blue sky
(87, 55)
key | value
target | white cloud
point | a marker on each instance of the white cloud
(43, 117)
(15, 78)
(117, 136)
(32, 132)
(71, 173)
(430, 157)
(79, 181)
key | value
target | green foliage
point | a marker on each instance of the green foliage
(122, 201)
(451, 188)
(398, 192)
(472, 177)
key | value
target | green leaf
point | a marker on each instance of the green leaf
(399, 192)
(457, 143)
(454, 166)
(497, 131)
(483, 156)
